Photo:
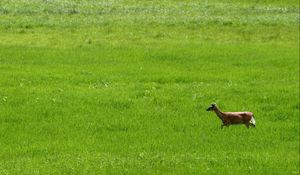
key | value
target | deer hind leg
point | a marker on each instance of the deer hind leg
(247, 124)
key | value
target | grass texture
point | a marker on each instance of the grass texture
(121, 86)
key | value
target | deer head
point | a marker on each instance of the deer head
(212, 107)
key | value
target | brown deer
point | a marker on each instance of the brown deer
(231, 118)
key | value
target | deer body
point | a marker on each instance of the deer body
(231, 118)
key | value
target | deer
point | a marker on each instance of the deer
(232, 118)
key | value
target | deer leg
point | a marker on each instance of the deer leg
(247, 124)
(225, 124)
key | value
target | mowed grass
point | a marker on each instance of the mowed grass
(121, 87)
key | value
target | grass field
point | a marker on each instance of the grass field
(121, 86)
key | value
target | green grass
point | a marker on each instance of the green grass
(121, 87)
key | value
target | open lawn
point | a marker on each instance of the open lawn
(121, 86)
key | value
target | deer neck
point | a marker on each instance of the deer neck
(219, 113)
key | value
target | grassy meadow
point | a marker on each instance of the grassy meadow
(121, 86)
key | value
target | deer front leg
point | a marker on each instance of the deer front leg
(225, 123)
(222, 126)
